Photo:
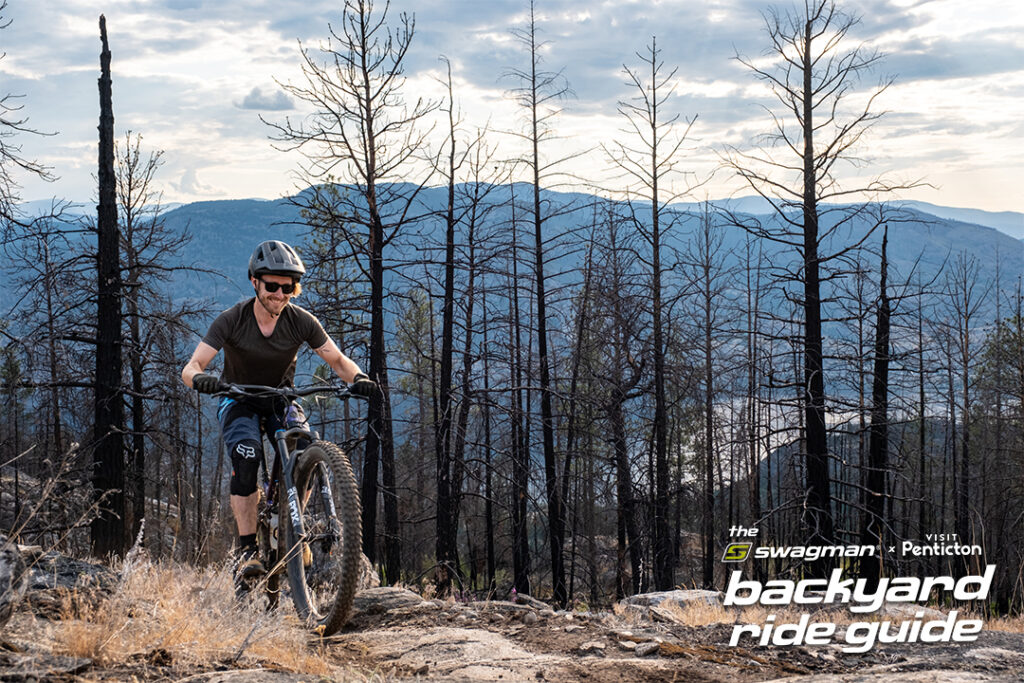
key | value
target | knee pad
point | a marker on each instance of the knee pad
(245, 465)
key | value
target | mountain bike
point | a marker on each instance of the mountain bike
(309, 524)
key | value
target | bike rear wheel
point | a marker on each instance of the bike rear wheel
(323, 565)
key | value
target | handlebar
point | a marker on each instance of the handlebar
(289, 393)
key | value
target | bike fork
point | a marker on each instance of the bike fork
(288, 462)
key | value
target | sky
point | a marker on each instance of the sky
(194, 78)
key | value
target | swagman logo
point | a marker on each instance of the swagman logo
(736, 552)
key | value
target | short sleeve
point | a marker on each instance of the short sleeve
(311, 329)
(316, 337)
(218, 332)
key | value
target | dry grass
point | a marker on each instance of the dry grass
(696, 613)
(174, 613)
(1008, 624)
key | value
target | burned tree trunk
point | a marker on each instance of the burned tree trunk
(108, 454)
(878, 444)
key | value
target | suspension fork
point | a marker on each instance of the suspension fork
(291, 494)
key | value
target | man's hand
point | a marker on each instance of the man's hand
(205, 384)
(363, 386)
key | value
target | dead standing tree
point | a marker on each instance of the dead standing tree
(108, 533)
(872, 527)
(134, 176)
(705, 264)
(447, 496)
(363, 129)
(148, 251)
(966, 298)
(520, 424)
(619, 321)
(538, 94)
(812, 73)
(450, 447)
(651, 166)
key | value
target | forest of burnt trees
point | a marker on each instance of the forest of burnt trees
(585, 386)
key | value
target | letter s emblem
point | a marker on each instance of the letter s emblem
(736, 552)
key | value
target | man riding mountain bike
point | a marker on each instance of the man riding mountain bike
(261, 338)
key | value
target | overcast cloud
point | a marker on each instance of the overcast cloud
(193, 77)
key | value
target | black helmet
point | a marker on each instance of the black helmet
(274, 257)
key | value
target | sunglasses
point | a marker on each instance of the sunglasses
(274, 286)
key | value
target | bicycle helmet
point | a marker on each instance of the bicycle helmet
(274, 257)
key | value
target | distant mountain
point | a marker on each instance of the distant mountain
(43, 207)
(225, 231)
(1009, 222)
(921, 244)
(752, 206)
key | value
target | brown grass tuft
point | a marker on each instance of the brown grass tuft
(187, 616)
(696, 613)
(1008, 624)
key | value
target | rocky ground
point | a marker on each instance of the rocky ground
(396, 635)
(397, 632)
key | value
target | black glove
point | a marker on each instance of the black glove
(363, 386)
(206, 384)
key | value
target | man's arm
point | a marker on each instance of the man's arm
(339, 362)
(201, 357)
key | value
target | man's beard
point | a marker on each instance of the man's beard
(269, 304)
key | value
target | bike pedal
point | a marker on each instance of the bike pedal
(251, 569)
(245, 587)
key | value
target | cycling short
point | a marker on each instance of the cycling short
(242, 424)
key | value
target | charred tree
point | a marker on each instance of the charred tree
(651, 165)
(520, 427)
(362, 128)
(815, 130)
(539, 90)
(873, 523)
(447, 525)
(108, 532)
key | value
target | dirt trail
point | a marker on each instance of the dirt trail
(403, 636)
(397, 635)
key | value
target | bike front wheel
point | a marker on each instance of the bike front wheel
(323, 564)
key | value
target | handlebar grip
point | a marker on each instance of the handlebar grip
(206, 384)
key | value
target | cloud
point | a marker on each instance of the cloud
(178, 66)
(942, 58)
(277, 101)
(190, 185)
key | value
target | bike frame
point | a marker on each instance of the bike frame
(292, 551)
(286, 490)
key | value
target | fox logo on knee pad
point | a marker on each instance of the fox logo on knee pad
(245, 450)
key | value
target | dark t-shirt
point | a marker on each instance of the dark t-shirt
(251, 358)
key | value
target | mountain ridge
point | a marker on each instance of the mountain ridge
(1008, 222)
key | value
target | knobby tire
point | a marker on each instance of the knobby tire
(326, 615)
